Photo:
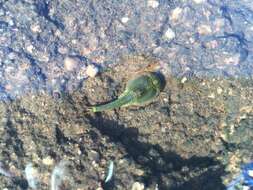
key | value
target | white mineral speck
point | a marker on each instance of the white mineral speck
(219, 90)
(63, 50)
(35, 28)
(153, 3)
(91, 71)
(250, 172)
(169, 34)
(176, 13)
(212, 96)
(124, 19)
(70, 63)
(48, 161)
(245, 188)
(204, 29)
(138, 186)
(184, 79)
(29, 48)
(198, 1)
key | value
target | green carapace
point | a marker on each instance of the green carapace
(139, 91)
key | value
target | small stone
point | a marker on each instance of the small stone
(166, 100)
(139, 172)
(219, 90)
(176, 13)
(29, 48)
(245, 188)
(63, 50)
(204, 29)
(184, 79)
(35, 28)
(124, 19)
(212, 95)
(91, 71)
(250, 172)
(86, 51)
(153, 3)
(48, 161)
(138, 186)
(70, 64)
(230, 92)
(198, 1)
(169, 34)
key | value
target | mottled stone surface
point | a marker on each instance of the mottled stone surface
(206, 38)
(195, 135)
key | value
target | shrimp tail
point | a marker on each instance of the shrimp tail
(124, 99)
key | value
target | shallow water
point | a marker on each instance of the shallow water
(199, 127)
(204, 38)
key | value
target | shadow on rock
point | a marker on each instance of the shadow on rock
(167, 169)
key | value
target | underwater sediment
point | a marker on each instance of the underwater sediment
(196, 134)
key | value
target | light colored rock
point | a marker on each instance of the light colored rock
(124, 19)
(198, 1)
(250, 172)
(48, 161)
(91, 71)
(137, 186)
(169, 34)
(70, 63)
(184, 79)
(35, 28)
(212, 96)
(63, 50)
(153, 3)
(30, 48)
(219, 90)
(204, 29)
(176, 13)
(245, 188)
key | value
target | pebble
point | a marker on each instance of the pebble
(250, 172)
(198, 1)
(124, 19)
(169, 34)
(219, 90)
(138, 186)
(153, 3)
(91, 71)
(204, 29)
(176, 13)
(70, 63)
(48, 161)
(63, 50)
(29, 48)
(212, 95)
(184, 79)
(35, 28)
